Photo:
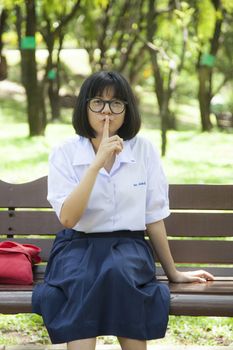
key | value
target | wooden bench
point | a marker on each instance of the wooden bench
(224, 120)
(200, 231)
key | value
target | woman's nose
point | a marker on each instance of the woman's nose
(106, 109)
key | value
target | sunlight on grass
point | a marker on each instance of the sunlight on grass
(183, 330)
(192, 157)
(200, 330)
(26, 158)
(22, 329)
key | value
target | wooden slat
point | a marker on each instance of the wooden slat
(201, 197)
(201, 305)
(15, 302)
(199, 224)
(217, 287)
(177, 224)
(201, 251)
(33, 194)
(222, 273)
(198, 251)
(29, 222)
(181, 304)
(39, 270)
(27, 195)
(15, 287)
(211, 287)
(44, 244)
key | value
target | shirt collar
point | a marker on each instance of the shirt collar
(85, 154)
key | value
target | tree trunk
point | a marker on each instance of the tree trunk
(205, 72)
(36, 118)
(3, 62)
(33, 95)
(204, 97)
(165, 113)
(54, 84)
(18, 24)
(54, 100)
(158, 79)
(51, 80)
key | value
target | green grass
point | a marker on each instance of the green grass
(185, 330)
(22, 329)
(192, 157)
(200, 330)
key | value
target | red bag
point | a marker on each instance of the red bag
(16, 262)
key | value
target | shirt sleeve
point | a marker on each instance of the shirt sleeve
(61, 179)
(157, 202)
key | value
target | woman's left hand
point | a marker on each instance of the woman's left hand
(200, 276)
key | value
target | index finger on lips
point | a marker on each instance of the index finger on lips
(106, 128)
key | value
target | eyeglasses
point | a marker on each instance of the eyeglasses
(97, 105)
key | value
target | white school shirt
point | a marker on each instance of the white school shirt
(133, 194)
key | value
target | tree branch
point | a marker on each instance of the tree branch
(224, 81)
(68, 17)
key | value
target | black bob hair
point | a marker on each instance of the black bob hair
(93, 86)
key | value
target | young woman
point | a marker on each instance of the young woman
(108, 188)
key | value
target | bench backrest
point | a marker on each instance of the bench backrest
(200, 227)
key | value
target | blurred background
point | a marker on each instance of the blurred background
(177, 56)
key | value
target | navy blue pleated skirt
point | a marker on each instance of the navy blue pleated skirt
(101, 284)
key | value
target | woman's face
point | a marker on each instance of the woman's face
(97, 119)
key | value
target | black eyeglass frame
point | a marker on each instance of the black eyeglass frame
(108, 102)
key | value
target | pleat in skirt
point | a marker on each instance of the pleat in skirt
(101, 284)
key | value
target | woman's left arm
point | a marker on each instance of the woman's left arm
(158, 237)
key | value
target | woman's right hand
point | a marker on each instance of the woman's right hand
(109, 147)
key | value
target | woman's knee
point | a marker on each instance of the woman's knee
(132, 344)
(82, 344)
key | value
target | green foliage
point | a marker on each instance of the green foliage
(9, 4)
(201, 330)
(206, 20)
(22, 328)
(101, 3)
(106, 29)
(227, 5)
(54, 8)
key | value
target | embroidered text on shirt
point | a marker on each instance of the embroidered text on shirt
(140, 184)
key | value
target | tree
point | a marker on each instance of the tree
(26, 24)
(212, 14)
(55, 16)
(50, 17)
(224, 61)
(3, 63)
(166, 60)
(115, 44)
